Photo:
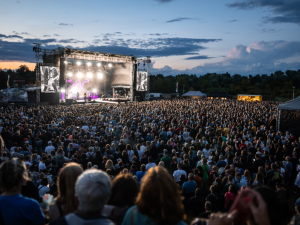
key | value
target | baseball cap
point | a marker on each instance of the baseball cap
(297, 202)
(49, 142)
(241, 170)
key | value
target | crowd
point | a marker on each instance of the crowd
(160, 162)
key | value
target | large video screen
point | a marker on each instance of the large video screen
(141, 81)
(49, 79)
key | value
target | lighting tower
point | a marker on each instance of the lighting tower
(37, 49)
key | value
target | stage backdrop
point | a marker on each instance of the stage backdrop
(49, 79)
(141, 81)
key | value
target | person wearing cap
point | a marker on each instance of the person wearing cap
(49, 148)
(167, 160)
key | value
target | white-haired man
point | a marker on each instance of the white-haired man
(92, 189)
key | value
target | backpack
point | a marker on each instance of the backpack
(39, 143)
(276, 176)
(60, 162)
(91, 157)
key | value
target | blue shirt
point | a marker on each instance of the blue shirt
(17, 209)
(221, 164)
(139, 175)
(189, 186)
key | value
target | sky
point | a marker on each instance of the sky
(191, 36)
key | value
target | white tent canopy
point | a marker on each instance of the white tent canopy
(290, 105)
(194, 94)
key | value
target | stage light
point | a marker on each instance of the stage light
(89, 75)
(70, 74)
(94, 90)
(109, 65)
(62, 91)
(74, 90)
(78, 63)
(100, 75)
(66, 62)
(98, 64)
(89, 64)
(79, 74)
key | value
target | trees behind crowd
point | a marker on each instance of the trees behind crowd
(278, 84)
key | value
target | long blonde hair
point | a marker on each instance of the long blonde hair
(66, 187)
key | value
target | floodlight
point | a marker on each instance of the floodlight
(100, 75)
(89, 64)
(109, 65)
(94, 90)
(89, 74)
(78, 63)
(79, 74)
(62, 91)
(98, 64)
(74, 90)
(66, 62)
(70, 74)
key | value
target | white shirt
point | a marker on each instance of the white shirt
(206, 152)
(43, 190)
(42, 166)
(86, 128)
(49, 149)
(297, 181)
(150, 165)
(130, 154)
(144, 148)
(12, 150)
(28, 163)
(177, 174)
(140, 152)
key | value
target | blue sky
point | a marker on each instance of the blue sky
(191, 36)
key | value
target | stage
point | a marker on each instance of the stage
(100, 100)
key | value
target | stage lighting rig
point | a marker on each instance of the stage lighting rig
(89, 64)
(78, 63)
(110, 65)
(89, 75)
(98, 64)
(70, 74)
(79, 74)
(100, 75)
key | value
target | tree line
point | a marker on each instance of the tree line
(279, 84)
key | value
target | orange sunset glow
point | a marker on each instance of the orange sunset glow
(15, 65)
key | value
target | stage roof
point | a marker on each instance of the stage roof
(194, 93)
(290, 105)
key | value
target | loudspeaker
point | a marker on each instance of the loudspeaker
(69, 101)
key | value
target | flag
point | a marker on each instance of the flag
(177, 87)
(8, 81)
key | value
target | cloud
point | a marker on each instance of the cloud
(284, 11)
(232, 21)
(164, 1)
(257, 58)
(199, 57)
(46, 35)
(56, 35)
(22, 33)
(154, 47)
(65, 24)
(180, 19)
(268, 30)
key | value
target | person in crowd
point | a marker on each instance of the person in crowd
(151, 205)
(123, 195)
(92, 191)
(14, 208)
(196, 204)
(65, 203)
(208, 211)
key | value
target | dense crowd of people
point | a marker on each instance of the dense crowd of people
(159, 162)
